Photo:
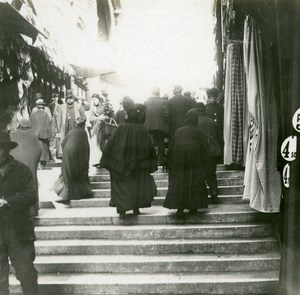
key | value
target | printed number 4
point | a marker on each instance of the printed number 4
(285, 151)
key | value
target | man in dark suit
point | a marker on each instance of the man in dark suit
(178, 107)
(17, 195)
(215, 110)
(156, 122)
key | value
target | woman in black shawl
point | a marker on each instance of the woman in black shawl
(75, 162)
(130, 157)
(185, 163)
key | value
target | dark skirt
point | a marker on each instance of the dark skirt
(132, 192)
(187, 189)
(79, 188)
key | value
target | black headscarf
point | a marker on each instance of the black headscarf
(191, 118)
(135, 113)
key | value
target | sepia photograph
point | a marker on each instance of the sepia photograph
(149, 147)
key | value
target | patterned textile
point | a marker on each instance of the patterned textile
(227, 110)
(235, 104)
(237, 97)
(262, 180)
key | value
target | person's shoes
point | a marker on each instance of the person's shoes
(97, 166)
(62, 201)
(193, 211)
(180, 213)
(214, 200)
(122, 215)
(136, 212)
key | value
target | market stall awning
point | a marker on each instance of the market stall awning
(90, 72)
(12, 20)
(112, 78)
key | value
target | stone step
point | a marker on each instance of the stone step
(164, 176)
(162, 191)
(240, 213)
(156, 264)
(96, 175)
(164, 183)
(153, 231)
(154, 247)
(258, 282)
(220, 167)
(158, 201)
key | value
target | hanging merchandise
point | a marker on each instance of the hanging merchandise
(15, 68)
(262, 179)
(235, 108)
(48, 78)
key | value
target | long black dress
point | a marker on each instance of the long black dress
(130, 157)
(75, 164)
(185, 162)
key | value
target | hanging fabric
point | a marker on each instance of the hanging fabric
(262, 180)
(235, 107)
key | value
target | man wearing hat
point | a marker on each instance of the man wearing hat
(67, 113)
(39, 101)
(16, 223)
(178, 107)
(41, 125)
(54, 105)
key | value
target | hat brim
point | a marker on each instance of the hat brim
(10, 145)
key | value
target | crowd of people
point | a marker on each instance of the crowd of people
(190, 130)
(131, 145)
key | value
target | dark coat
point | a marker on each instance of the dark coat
(129, 148)
(187, 149)
(18, 189)
(129, 156)
(156, 114)
(209, 128)
(28, 152)
(75, 164)
(186, 164)
(178, 107)
(215, 111)
(41, 126)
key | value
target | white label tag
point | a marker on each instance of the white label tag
(289, 148)
(296, 120)
(286, 175)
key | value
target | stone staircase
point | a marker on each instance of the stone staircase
(225, 249)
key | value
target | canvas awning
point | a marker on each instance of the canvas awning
(112, 78)
(12, 20)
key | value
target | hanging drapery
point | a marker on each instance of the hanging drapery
(262, 180)
(235, 107)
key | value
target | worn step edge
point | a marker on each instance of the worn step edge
(164, 183)
(155, 264)
(153, 219)
(235, 175)
(104, 202)
(225, 283)
(164, 176)
(162, 191)
(153, 232)
(101, 247)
